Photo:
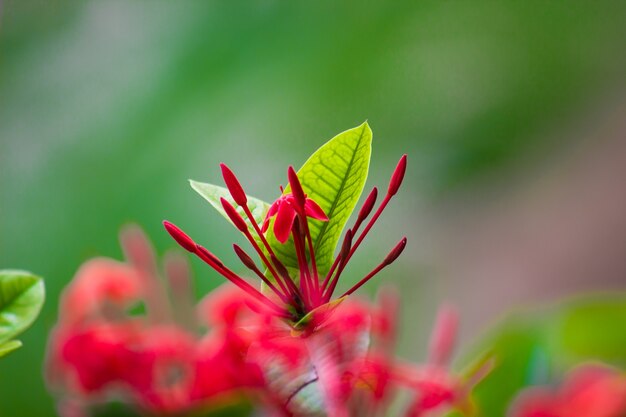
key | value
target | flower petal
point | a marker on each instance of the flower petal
(443, 337)
(284, 222)
(270, 212)
(313, 210)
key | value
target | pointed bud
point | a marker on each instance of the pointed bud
(245, 258)
(180, 237)
(280, 268)
(395, 252)
(233, 185)
(234, 217)
(398, 176)
(346, 246)
(368, 205)
(296, 188)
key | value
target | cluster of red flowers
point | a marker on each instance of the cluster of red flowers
(289, 215)
(156, 360)
(292, 351)
(160, 364)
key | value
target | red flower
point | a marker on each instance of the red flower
(291, 212)
(590, 390)
(100, 284)
(110, 352)
(285, 211)
(347, 364)
(155, 361)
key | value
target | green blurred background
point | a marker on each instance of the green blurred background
(512, 114)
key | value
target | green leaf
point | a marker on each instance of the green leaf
(8, 347)
(323, 311)
(213, 193)
(21, 298)
(593, 328)
(334, 177)
(515, 345)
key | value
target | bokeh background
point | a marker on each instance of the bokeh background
(513, 115)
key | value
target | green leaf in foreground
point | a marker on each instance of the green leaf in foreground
(213, 193)
(334, 177)
(21, 298)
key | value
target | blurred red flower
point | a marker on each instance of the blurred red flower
(158, 361)
(590, 390)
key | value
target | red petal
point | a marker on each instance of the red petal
(311, 209)
(270, 212)
(266, 224)
(284, 222)
(273, 209)
(443, 337)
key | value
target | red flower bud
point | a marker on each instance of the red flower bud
(245, 258)
(233, 185)
(180, 237)
(368, 205)
(395, 252)
(234, 217)
(296, 188)
(398, 176)
(347, 245)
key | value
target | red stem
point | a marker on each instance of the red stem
(210, 259)
(365, 279)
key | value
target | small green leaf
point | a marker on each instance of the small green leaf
(21, 298)
(8, 347)
(322, 312)
(334, 177)
(213, 193)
